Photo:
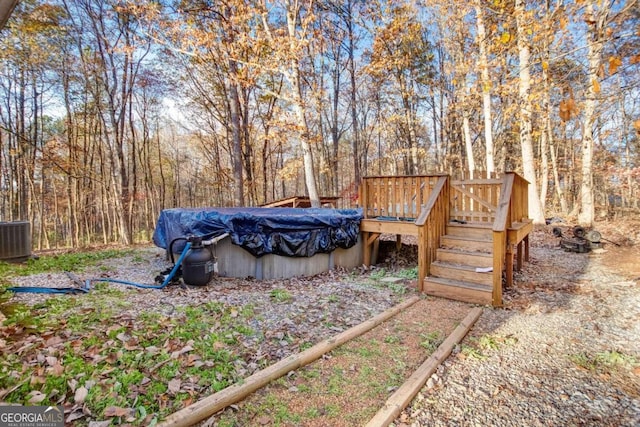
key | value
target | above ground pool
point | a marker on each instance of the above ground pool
(294, 232)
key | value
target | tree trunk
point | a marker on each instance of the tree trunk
(353, 92)
(236, 136)
(596, 22)
(486, 90)
(547, 131)
(300, 111)
(556, 176)
(526, 140)
(466, 132)
(307, 156)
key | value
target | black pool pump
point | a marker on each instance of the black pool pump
(198, 265)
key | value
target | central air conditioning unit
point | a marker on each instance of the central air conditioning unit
(15, 240)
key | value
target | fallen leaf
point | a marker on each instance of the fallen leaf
(178, 353)
(264, 420)
(131, 344)
(80, 395)
(209, 422)
(58, 369)
(123, 337)
(106, 423)
(76, 414)
(54, 341)
(36, 397)
(152, 349)
(116, 411)
(174, 385)
(51, 360)
(112, 358)
(37, 379)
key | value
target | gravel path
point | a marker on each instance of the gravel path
(564, 351)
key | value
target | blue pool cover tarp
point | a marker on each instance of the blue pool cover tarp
(294, 232)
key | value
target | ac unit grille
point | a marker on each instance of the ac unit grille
(15, 240)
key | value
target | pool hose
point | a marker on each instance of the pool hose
(87, 283)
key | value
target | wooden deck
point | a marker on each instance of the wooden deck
(455, 221)
(301, 202)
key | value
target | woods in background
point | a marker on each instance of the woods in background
(113, 110)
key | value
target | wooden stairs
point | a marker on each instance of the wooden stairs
(463, 267)
(469, 232)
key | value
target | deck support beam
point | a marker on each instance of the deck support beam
(369, 239)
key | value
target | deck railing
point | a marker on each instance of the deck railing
(432, 224)
(395, 196)
(512, 207)
(475, 200)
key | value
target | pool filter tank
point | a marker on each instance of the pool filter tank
(198, 265)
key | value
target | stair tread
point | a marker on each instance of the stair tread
(461, 252)
(485, 225)
(473, 239)
(459, 284)
(457, 266)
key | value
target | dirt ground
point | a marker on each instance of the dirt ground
(564, 349)
(347, 386)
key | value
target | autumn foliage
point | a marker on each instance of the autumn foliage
(112, 111)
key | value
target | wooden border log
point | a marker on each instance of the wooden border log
(211, 404)
(407, 391)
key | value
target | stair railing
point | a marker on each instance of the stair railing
(432, 224)
(512, 206)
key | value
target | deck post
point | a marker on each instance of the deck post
(366, 256)
(499, 245)
(509, 264)
(368, 239)
(422, 256)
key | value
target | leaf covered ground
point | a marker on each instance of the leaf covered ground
(124, 355)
